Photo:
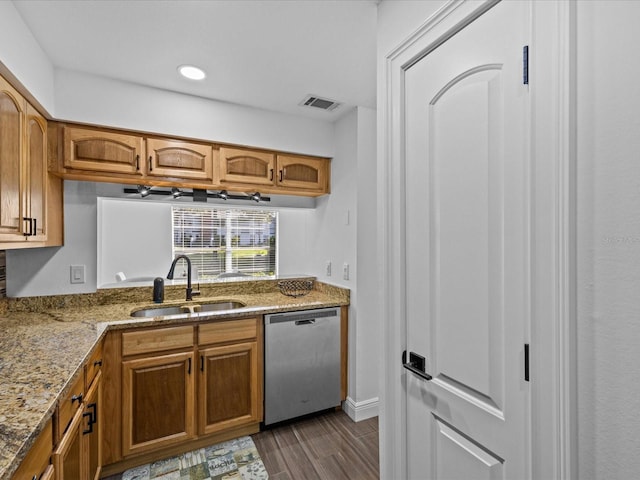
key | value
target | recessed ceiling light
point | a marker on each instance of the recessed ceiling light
(191, 72)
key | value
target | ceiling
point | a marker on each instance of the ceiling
(263, 53)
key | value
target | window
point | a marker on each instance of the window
(226, 242)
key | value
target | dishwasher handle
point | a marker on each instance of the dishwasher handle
(306, 322)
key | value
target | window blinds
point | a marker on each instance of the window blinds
(226, 241)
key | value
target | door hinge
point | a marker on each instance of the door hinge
(525, 65)
(526, 362)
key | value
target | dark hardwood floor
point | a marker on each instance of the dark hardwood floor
(326, 447)
(329, 446)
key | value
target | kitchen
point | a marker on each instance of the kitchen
(603, 331)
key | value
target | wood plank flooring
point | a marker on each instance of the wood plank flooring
(329, 446)
(326, 447)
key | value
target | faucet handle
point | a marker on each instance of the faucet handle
(195, 293)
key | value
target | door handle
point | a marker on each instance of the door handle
(89, 423)
(415, 364)
(305, 322)
(30, 232)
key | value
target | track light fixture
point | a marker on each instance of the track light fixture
(196, 194)
(144, 191)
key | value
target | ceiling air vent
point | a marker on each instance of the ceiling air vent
(319, 102)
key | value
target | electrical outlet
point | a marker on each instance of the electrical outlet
(328, 268)
(345, 271)
(77, 273)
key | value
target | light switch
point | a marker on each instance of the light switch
(77, 273)
(345, 271)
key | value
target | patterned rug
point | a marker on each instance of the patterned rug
(233, 460)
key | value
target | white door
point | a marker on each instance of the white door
(467, 270)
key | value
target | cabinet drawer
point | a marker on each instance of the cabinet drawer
(93, 366)
(156, 340)
(228, 331)
(39, 456)
(69, 405)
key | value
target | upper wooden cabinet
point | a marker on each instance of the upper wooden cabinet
(242, 166)
(12, 114)
(25, 185)
(306, 173)
(174, 158)
(100, 151)
(35, 192)
(92, 154)
(287, 173)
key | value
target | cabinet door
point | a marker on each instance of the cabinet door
(98, 151)
(228, 388)
(304, 173)
(38, 458)
(67, 458)
(243, 166)
(48, 474)
(35, 194)
(176, 159)
(92, 430)
(157, 402)
(12, 111)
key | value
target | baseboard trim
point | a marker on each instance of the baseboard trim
(359, 411)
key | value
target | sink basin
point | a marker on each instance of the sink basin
(184, 309)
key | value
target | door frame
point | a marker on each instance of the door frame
(551, 236)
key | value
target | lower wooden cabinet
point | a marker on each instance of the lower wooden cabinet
(158, 398)
(92, 431)
(67, 457)
(36, 463)
(78, 453)
(228, 388)
(172, 386)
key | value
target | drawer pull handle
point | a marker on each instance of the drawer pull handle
(77, 398)
(97, 363)
(89, 424)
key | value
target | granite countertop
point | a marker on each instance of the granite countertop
(45, 342)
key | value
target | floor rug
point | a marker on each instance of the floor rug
(233, 460)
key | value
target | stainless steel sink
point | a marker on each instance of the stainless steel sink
(184, 309)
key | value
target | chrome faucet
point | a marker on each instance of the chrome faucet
(190, 291)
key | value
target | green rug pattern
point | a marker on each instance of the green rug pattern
(233, 460)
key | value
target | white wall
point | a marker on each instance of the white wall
(45, 271)
(342, 230)
(608, 256)
(21, 54)
(368, 320)
(134, 237)
(103, 101)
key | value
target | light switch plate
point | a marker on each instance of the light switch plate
(77, 274)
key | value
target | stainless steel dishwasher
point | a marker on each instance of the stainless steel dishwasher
(302, 363)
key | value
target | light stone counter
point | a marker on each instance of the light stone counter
(44, 342)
